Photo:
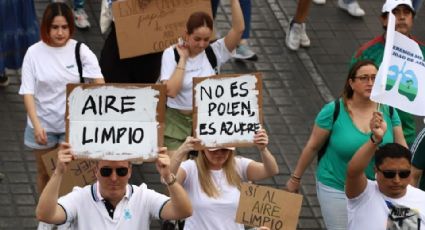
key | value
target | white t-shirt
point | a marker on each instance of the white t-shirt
(198, 66)
(213, 213)
(85, 209)
(45, 72)
(370, 210)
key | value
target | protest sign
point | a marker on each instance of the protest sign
(400, 81)
(150, 26)
(227, 109)
(80, 172)
(115, 121)
(265, 206)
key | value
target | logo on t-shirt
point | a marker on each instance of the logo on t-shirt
(127, 214)
(402, 217)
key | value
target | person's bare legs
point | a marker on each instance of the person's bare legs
(42, 176)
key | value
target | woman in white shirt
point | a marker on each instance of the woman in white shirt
(48, 67)
(193, 61)
(213, 179)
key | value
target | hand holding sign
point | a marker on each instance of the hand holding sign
(261, 139)
(65, 157)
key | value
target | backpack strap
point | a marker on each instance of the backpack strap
(78, 58)
(391, 110)
(212, 59)
(336, 111)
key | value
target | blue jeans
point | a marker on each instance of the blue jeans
(78, 4)
(246, 10)
(333, 204)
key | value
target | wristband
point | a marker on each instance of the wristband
(296, 178)
(169, 183)
(374, 141)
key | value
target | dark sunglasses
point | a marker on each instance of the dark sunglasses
(106, 172)
(390, 174)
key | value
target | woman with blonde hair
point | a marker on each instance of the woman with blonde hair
(213, 179)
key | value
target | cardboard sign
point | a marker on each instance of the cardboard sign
(265, 206)
(227, 109)
(115, 121)
(80, 172)
(150, 26)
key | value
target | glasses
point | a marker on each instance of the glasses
(390, 174)
(106, 172)
(366, 77)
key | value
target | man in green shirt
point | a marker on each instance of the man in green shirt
(374, 50)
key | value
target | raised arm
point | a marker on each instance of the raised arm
(416, 176)
(234, 35)
(182, 152)
(356, 178)
(48, 210)
(174, 84)
(268, 167)
(179, 206)
(317, 139)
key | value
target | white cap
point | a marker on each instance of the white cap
(389, 5)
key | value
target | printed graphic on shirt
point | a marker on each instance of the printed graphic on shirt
(402, 218)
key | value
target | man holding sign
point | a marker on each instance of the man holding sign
(112, 203)
(374, 50)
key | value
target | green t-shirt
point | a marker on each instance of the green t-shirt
(344, 140)
(418, 158)
(374, 51)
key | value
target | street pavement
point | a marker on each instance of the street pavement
(296, 85)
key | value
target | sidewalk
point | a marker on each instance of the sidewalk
(296, 85)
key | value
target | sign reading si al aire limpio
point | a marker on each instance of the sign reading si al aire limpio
(150, 26)
(265, 206)
(115, 121)
(227, 109)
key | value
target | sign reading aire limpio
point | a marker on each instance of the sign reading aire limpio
(115, 121)
(227, 109)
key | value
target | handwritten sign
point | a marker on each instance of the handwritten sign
(265, 206)
(150, 26)
(115, 121)
(80, 172)
(227, 109)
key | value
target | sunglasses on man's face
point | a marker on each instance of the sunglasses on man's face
(390, 174)
(106, 172)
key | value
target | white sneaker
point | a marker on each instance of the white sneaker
(320, 2)
(81, 19)
(352, 8)
(296, 36)
(245, 53)
(304, 40)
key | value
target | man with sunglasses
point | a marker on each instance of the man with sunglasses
(112, 203)
(374, 50)
(389, 202)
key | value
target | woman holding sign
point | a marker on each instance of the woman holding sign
(213, 180)
(48, 67)
(194, 57)
(341, 127)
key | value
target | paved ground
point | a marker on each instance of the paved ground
(296, 85)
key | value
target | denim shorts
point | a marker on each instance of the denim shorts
(52, 139)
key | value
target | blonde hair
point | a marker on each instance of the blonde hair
(204, 174)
